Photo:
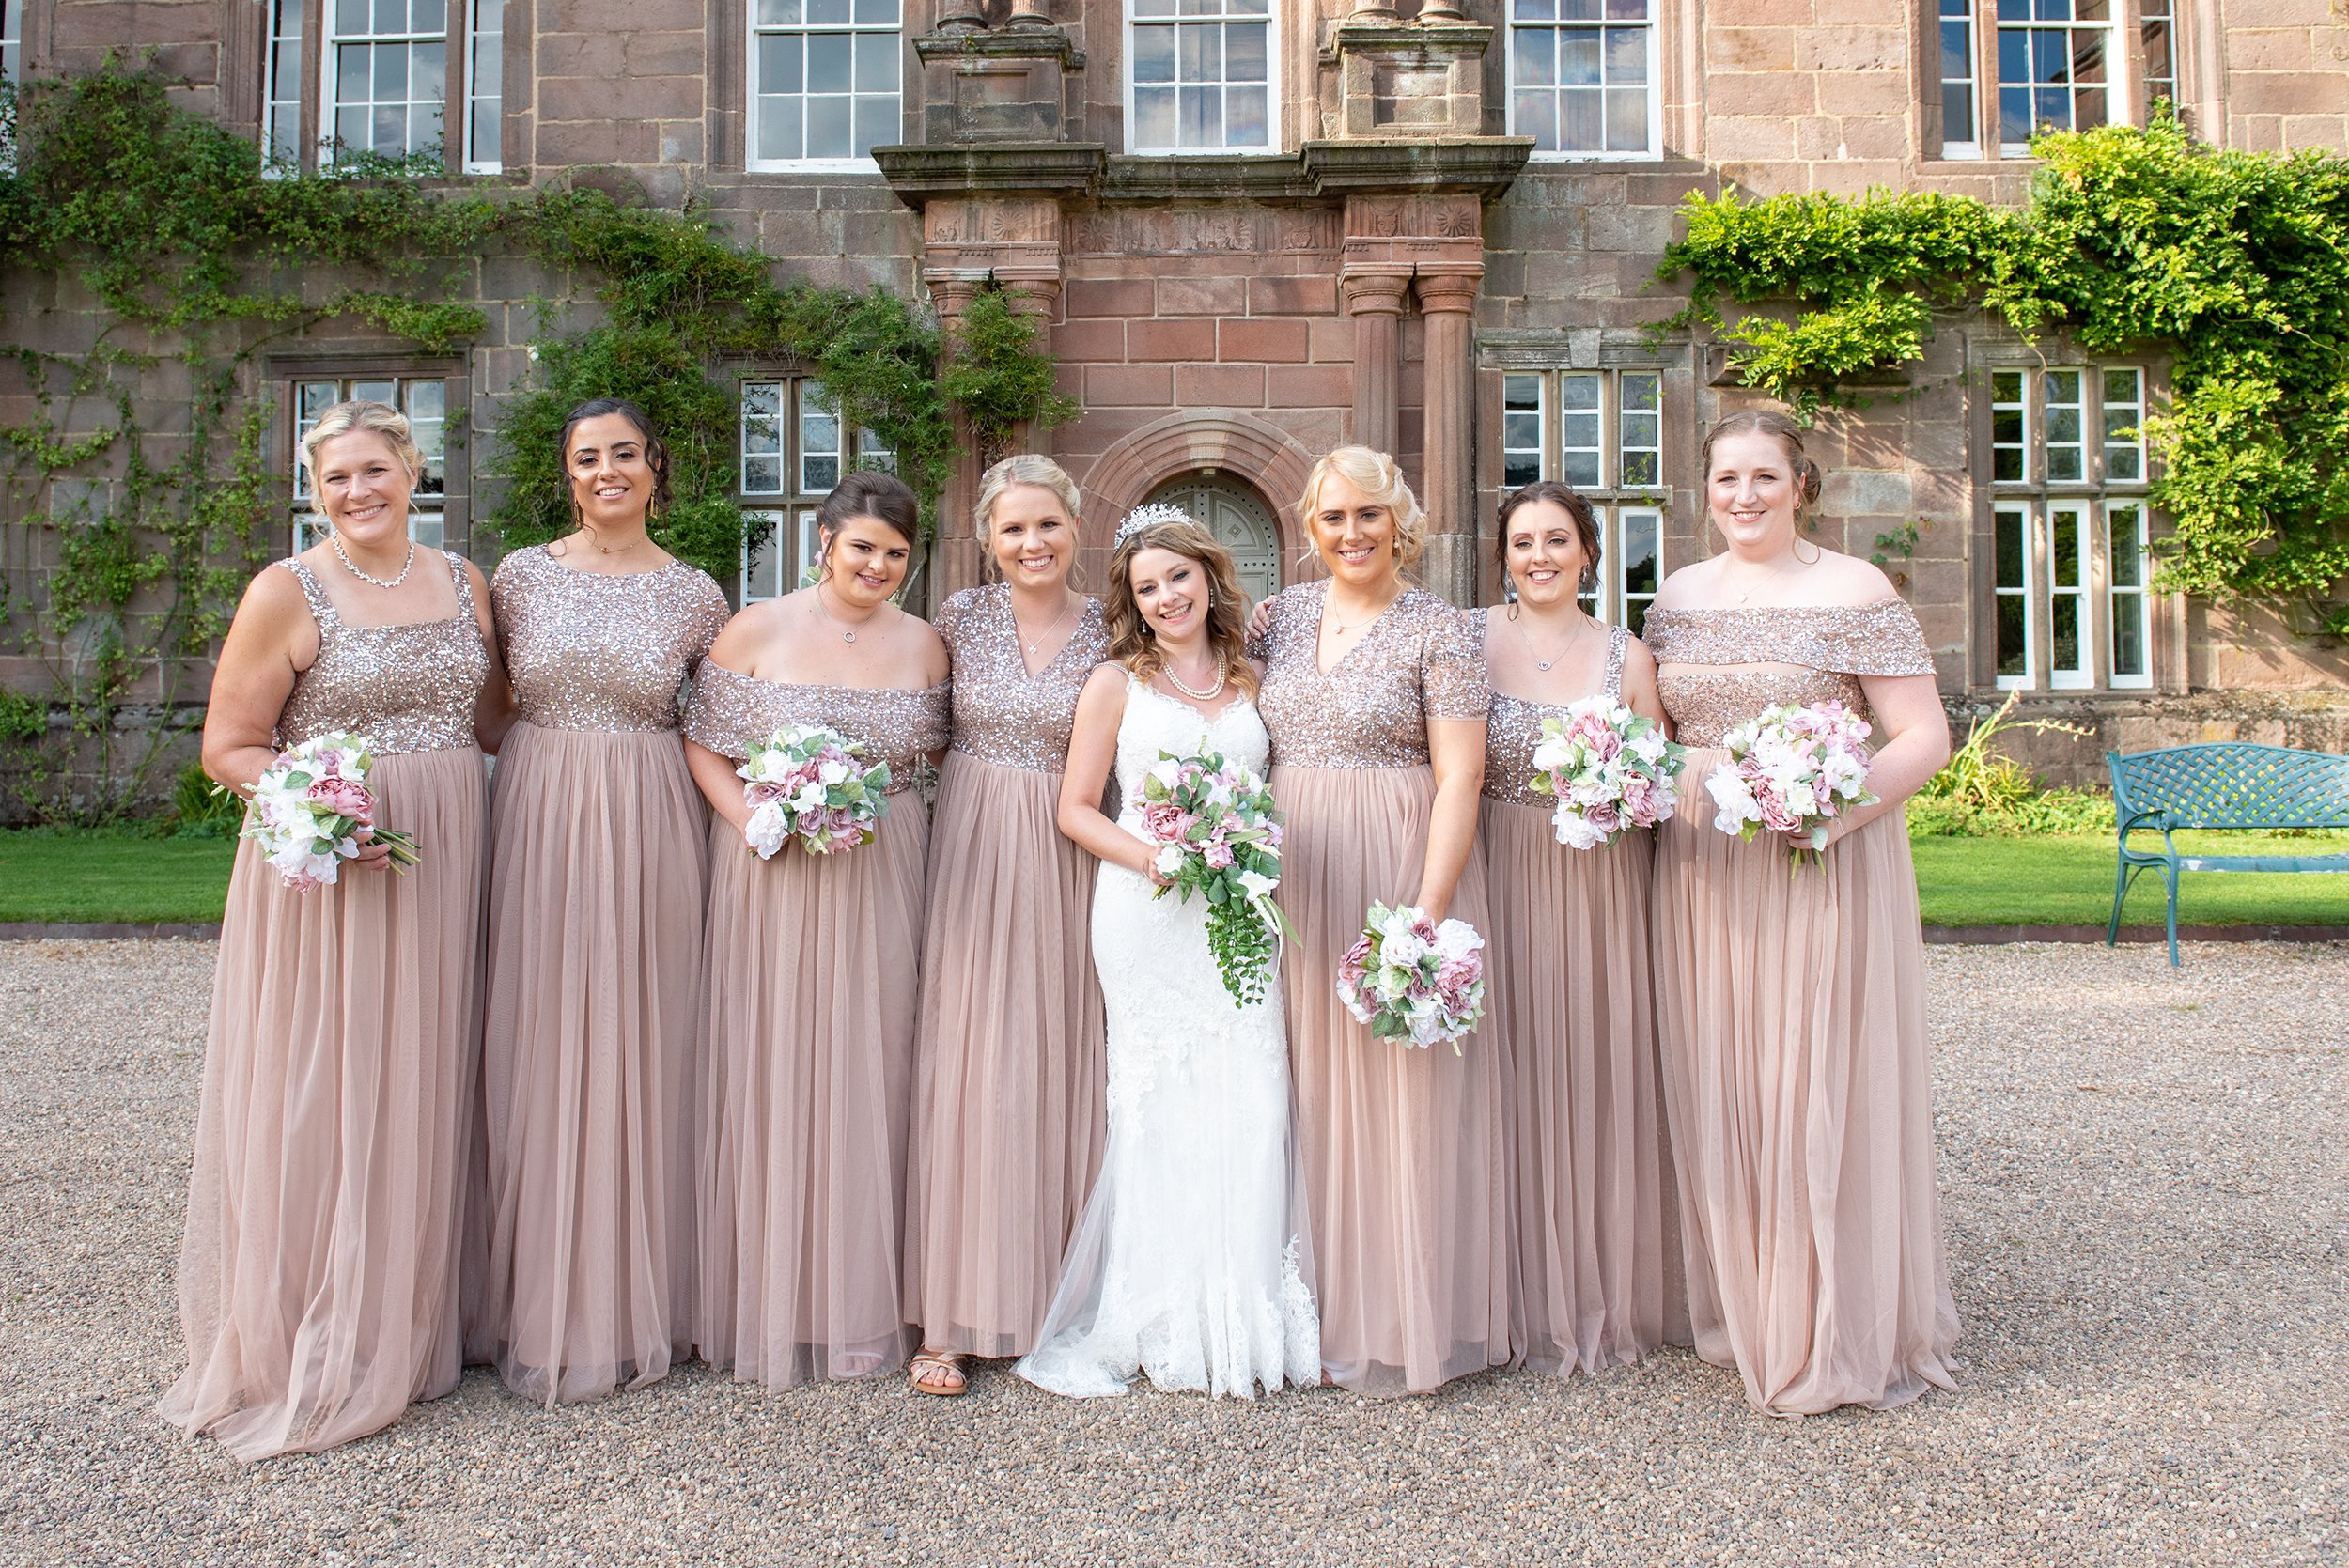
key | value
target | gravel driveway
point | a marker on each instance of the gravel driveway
(2142, 1178)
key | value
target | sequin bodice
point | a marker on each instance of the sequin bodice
(1513, 727)
(406, 687)
(1002, 713)
(1718, 668)
(587, 652)
(1422, 659)
(728, 710)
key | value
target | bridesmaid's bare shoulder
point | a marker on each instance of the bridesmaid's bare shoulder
(1839, 579)
(1688, 586)
(936, 664)
(747, 634)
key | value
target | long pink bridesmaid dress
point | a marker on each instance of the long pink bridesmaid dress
(1404, 1152)
(1008, 1063)
(319, 1275)
(1791, 1008)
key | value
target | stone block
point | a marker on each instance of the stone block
(1090, 341)
(1309, 386)
(1748, 139)
(1280, 340)
(570, 143)
(1118, 297)
(1330, 340)
(1170, 340)
(1129, 386)
(1749, 49)
(1736, 94)
(2321, 132)
(1315, 295)
(2288, 92)
(1850, 49)
(1196, 295)
(1229, 386)
(618, 98)
(582, 54)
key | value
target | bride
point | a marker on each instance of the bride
(1191, 1261)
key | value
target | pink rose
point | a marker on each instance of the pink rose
(1775, 816)
(1218, 856)
(1164, 820)
(1356, 959)
(344, 798)
(1454, 976)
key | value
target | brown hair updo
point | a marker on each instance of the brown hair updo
(656, 450)
(866, 492)
(1130, 639)
(1558, 493)
(1770, 423)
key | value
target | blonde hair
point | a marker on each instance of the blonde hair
(1023, 468)
(1778, 427)
(1130, 643)
(373, 418)
(1380, 479)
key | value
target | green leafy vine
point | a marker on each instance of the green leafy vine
(140, 495)
(2233, 263)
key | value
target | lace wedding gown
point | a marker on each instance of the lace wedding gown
(1191, 1262)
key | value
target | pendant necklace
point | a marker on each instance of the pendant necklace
(1539, 662)
(381, 582)
(847, 632)
(1037, 647)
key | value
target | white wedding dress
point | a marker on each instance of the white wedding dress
(1191, 1263)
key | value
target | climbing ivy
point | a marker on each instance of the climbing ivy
(138, 475)
(2232, 263)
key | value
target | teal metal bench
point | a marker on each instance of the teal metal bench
(2227, 785)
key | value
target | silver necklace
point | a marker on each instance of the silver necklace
(1764, 582)
(1036, 647)
(1539, 662)
(847, 632)
(1222, 673)
(394, 582)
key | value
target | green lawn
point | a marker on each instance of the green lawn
(2068, 881)
(101, 877)
(1965, 881)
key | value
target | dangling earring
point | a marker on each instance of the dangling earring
(1508, 586)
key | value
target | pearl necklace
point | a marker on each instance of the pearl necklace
(1222, 673)
(363, 576)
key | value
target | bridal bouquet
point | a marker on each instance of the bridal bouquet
(811, 784)
(1609, 768)
(1218, 835)
(312, 810)
(1413, 980)
(1794, 769)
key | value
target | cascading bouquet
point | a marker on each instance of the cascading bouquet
(1793, 771)
(1219, 836)
(1609, 768)
(811, 784)
(312, 810)
(1413, 980)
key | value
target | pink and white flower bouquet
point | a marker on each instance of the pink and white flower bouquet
(1219, 836)
(1413, 980)
(1609, 768)
(811, 784)
(1792, 769)
(312, 810)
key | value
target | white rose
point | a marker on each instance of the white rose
(1574, 830)
(1737, 802)
(767, 829)
(1648, 747)
(1552, 755)
(1399, 945)
(1171, 859)
(1456, 939)
(1255, 884)
(810, 797)
(832, 773)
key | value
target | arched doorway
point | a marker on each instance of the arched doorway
(1240, 522)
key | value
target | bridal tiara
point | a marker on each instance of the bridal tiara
(1150, 517)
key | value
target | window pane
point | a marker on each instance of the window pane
(2014, 651)
(1578, 56)
(2064, 617)
(1154, 114)
(876, 62)
(2009, 547)
(1627, 120)
(877, 123)
(1533, 62)
(1247, 120)
(2063, 547)
(829, 131)
(1153, 55)
(1244, 52)
(2128, 568)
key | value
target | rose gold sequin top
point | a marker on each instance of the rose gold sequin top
(406, 687)
(587, 652)
(728, 710)
(1002, 714)
(1421, 660)
(1513, 727)
(1811, 653)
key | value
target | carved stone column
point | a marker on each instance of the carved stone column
(1373, 297)
(1448, 299)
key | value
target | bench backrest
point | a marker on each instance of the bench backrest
(2232, 784)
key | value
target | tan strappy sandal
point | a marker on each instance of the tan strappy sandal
(923, 1368)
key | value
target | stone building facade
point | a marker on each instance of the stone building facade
(1258, 229)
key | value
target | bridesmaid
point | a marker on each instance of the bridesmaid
(1791, 1007)
(1569, 994)
(807, 1027)
(1008, 1108)
(1375, 696)
(594, 938)
(318, 1278)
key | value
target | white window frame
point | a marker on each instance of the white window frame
(753, 33)
(2106, 433)
(281, 101)
(1959, 13)
(1654, 151)
(12, 40)
(478, 40)
(1618, 506)
(2080, 592)
(427, 514)
(789, 505)
(2020, 407)
(2028, 511)
(1274, 138)
(1514, 422)
(330, 78)
(1994, 109)
(2131, 599)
